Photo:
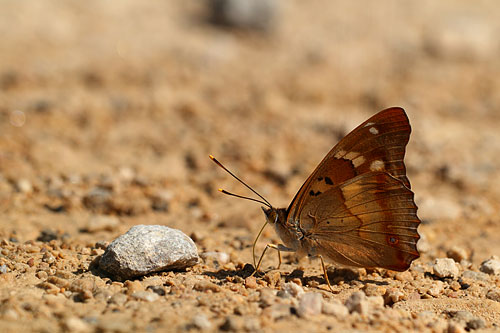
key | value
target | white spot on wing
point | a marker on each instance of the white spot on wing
(351, 155)
(373, 130)
(340, 154)
(358, 161)
(377, 165)
(369, 124)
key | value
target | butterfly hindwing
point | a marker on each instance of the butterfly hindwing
(368, 221)
(378, 144)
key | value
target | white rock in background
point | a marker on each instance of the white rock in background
(335, 308)
(445, 267)
(310, 304)
(221, 257)
(491, 266)
(293, 289)
(146, 249)
(360, 303)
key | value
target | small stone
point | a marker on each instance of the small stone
(3, 269)
(24, 186)
(232, 324)
(75, 324)
(133, 286)
(251, 282)
(310, 304)
(336, 309)
(494, 295)
(358, 302)
(160, 290)
(101, 223)
(222, 258)
(445, 267)
(84, 287)
(147, 296)
(99, 200)
(454, 327)
(393, 295)
(118, 299)
(462, 316)
(42, 275)
(490, 266)
(206, 286)
(273, 278)
(255, 14)
(61, 283)
(47, 235)
(102, 244)
(252, 324)
(278, 311)
(371, 289)
(475, 324)
(436, 289)
(478, 276)
(457, 253)
(404, 276)
(160, 202)
(201, 322)
(293, 289)
(455, 285)
(164, 248)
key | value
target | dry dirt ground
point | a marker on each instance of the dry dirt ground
(108, 111)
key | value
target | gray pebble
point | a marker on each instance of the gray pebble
(201, 322)
(147, 296)
(479, 276)
(255, 14)
(146, 249)
(491, 266)
(4, 269)
(476, 323)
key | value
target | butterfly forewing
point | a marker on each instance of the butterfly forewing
(368, 221)
(378, 144)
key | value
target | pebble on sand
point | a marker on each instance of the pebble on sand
(146, 249)
(445, 267)
(490, 266)
(310, 304)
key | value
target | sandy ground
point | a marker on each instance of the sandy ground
(108, 111)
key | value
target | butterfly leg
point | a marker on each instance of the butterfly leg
(278, 248)
(325, 273)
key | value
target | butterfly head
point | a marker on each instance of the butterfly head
(271, 214)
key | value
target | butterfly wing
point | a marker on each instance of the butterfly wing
(368, 221)
(378, 144)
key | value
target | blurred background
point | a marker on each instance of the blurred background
(112, 107)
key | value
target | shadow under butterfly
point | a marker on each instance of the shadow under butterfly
(356, 209)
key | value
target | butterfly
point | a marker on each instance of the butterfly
(356, 209)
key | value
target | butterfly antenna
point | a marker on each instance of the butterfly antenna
(243, 197)
(265, 202)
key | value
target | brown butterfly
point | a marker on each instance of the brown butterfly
(356, 209)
